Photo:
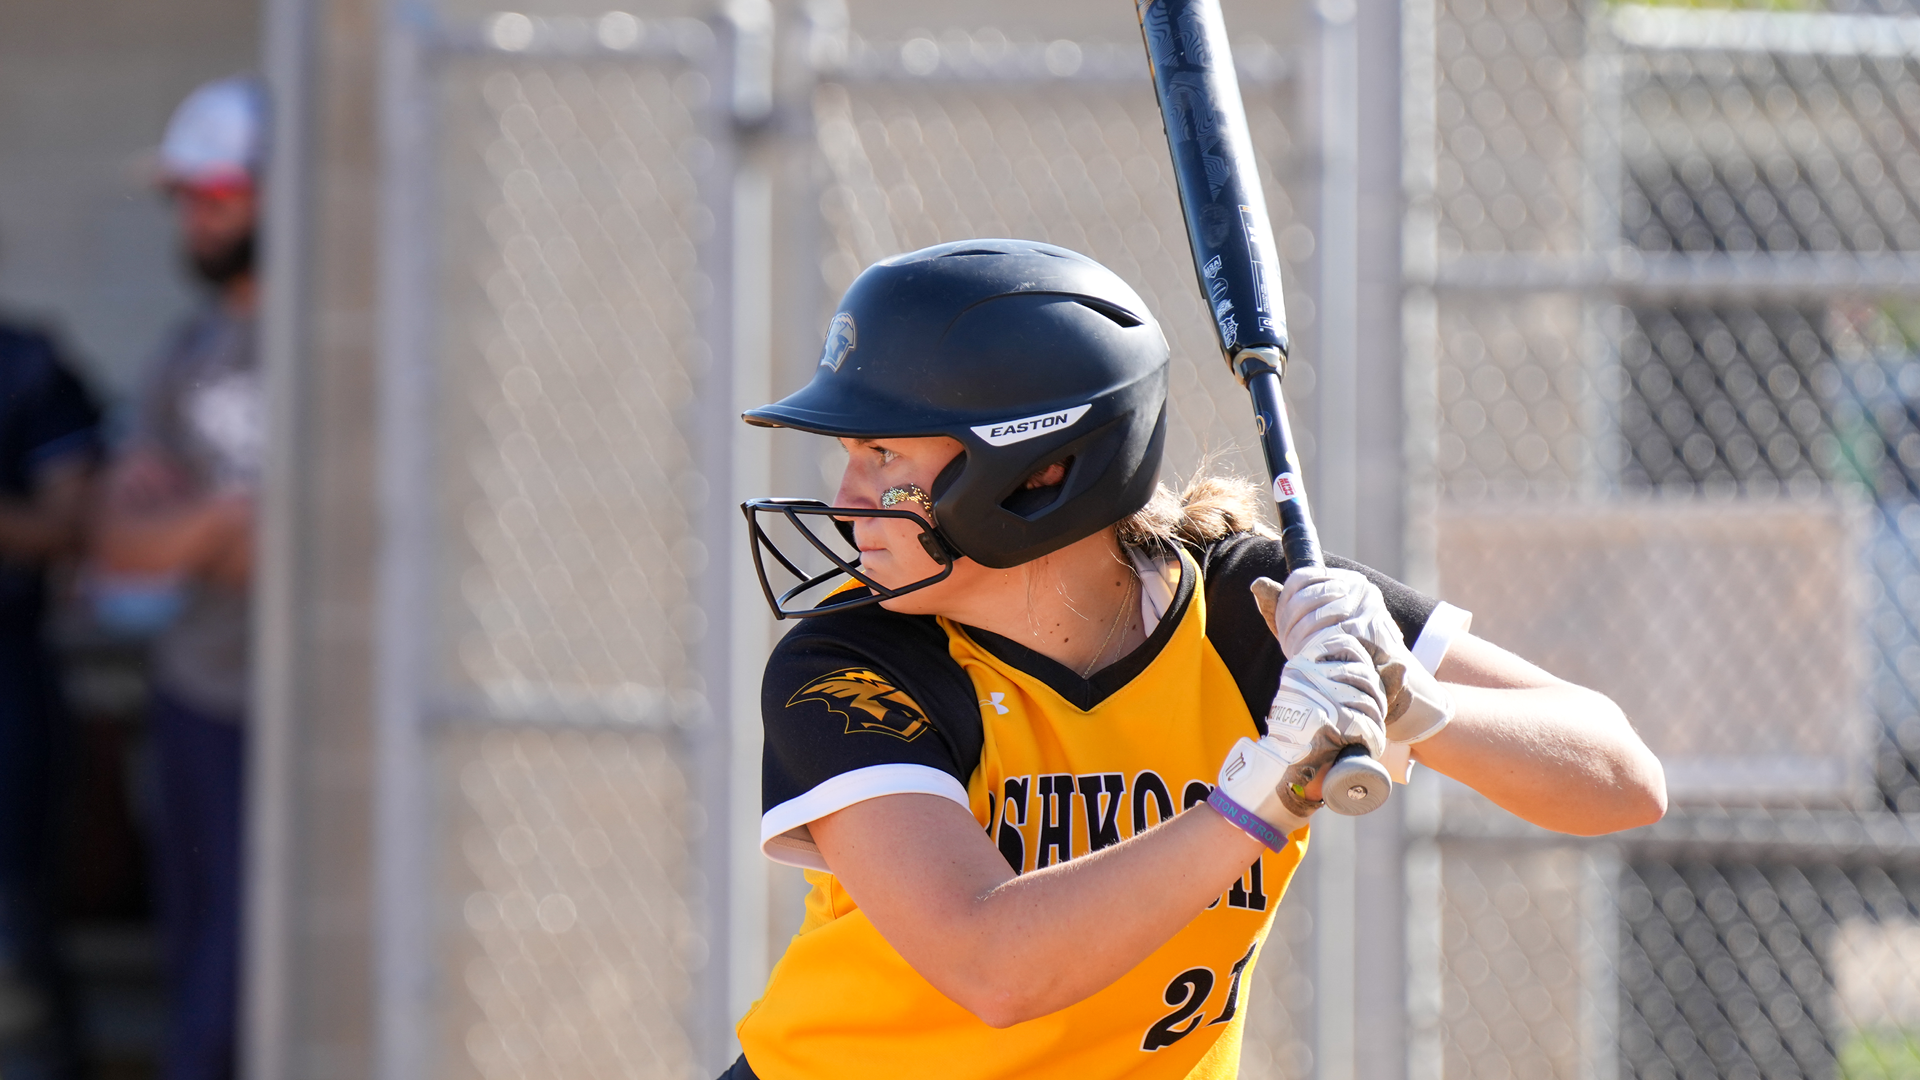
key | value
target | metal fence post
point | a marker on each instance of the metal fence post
(404, 631)
(266, 1011)
(750, 287)
(712, 437)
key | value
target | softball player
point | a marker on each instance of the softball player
(1049, 750)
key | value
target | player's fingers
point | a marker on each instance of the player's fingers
(1304, 577)
(1366, 692)
(1317, 599)
(1350, 689)
(1391, 666)
(1314, 790)
(1266, 596)
(1303, 597)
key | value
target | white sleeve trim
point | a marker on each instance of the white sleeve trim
(783, 829)
(1445, 626)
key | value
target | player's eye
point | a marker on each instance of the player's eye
(887, 457)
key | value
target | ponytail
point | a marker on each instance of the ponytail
(1208, 507)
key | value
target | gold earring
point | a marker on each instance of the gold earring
(907, 493)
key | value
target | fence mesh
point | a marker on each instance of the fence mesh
(573, 255)
(1754, 151)
(1512, 111)
(572, 941)
(1082, 164)
(1646, 485)
(572, 294)
(1704, 503)
(1521, 932)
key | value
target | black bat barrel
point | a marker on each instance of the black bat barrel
(1227, 226)
(1239, 271)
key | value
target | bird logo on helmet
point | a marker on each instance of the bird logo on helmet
(1028, 355)
(842, 335)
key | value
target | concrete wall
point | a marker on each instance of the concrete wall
(85, 90)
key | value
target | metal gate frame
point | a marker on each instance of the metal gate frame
(721, 746)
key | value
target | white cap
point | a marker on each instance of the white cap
(217, 135)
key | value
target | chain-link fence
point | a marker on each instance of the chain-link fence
(585, 292)
(568, 707)
(1662, 265)
(1674, 368)
(964, 139)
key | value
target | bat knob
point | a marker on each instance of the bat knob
(1356, 784)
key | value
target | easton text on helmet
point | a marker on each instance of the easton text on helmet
(1013, 431)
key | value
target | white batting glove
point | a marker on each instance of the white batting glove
(1329, 698)
(1319, 600)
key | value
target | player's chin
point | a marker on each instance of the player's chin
(925, 600)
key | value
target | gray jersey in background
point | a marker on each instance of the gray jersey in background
(203, 409)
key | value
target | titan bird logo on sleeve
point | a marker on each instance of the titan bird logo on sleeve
(868, 701)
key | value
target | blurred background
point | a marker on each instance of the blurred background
(1607, 323)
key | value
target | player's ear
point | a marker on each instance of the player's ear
(1049, 475)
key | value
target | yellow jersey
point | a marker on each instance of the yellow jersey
(1052, 766)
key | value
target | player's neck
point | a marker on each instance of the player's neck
(1079, 607)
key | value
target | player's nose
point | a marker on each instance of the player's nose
(854, 493)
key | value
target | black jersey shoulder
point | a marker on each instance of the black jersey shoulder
(862, 688)
(871, 687)
(45, 411)
(1241, 636)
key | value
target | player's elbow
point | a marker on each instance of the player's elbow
(1642, 781)
(997, 1004)
(999, 1015)
(999, 996)
(1634, 785)
(1644, 794)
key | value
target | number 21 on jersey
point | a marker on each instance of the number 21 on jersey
(1188, 993)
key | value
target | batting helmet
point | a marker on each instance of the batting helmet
(1026, 354)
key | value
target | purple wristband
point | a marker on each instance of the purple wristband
(1249, 822)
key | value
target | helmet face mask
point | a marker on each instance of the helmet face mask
(1027, 356)
(842, 584)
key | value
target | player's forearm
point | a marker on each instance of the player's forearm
(1006, 948)
(166, 542)
(31, 534)
(1562, 757)
(1057, 936)
(49, 524)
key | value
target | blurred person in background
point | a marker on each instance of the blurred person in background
(174, 542)
(49, 446)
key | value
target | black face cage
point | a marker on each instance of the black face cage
(845, 571)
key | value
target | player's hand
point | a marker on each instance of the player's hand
(1319, 600)
(1329, 698)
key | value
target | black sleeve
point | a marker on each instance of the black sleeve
(51, 414)
(864, 688)
(65, 420)
(1242, 637)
